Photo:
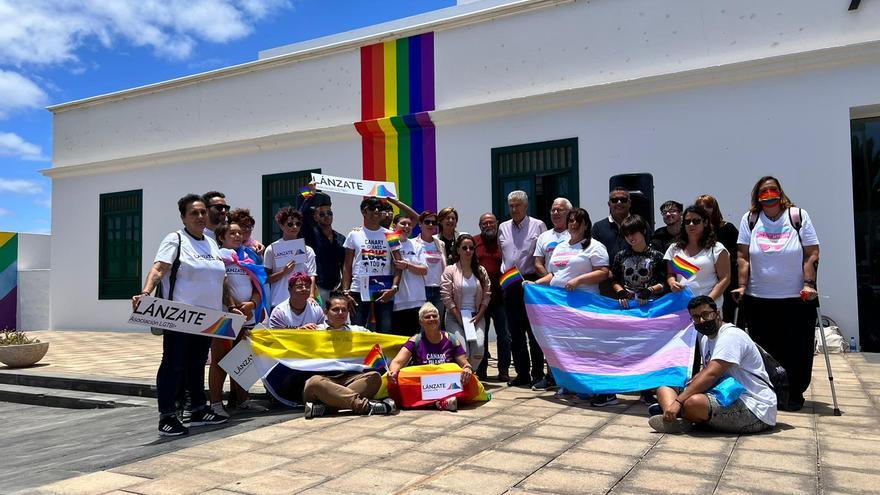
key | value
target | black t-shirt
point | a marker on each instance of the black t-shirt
(662, 239)
(329, 253)
(635, 271)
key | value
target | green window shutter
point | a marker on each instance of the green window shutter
(280, 190)
(119, 244)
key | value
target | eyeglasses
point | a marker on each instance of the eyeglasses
(294, 224)
(692, 221)
(300, 286)
(618, 200)
(467, 248)
(670, 212)
(429, 222)
(220, 207)
(328, 213)
(704, 316)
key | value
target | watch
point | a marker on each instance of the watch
(395, 288)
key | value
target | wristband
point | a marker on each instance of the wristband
(622, 294)
(145, 293)
(810, 283)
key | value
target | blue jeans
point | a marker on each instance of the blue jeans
(373, 315)
(183, 364)
(496, 314)
(432, 295)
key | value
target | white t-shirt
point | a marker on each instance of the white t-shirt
(411, 293)
(734, 346)
(572, 261)
(435, 260)
(200, 277)
(209, 233)
(278, 255)
(469, 288)
(776, 259)
(371, 254)
(240, 284)
(353, 328)
(702, 282)
(547, 242)
(283, 316)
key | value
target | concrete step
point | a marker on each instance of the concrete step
(80, 383)
(69, 399)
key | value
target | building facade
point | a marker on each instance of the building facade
(551, 96)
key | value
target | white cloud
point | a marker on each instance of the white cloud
(50, 31)
(18, 92)
(44, 202)
(13, 145)
(4, 212)
(20, 186)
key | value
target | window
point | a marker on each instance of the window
(280, 190)
(865, 135)
(545, 171)
(119, 250)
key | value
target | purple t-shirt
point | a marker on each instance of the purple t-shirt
(439, 353)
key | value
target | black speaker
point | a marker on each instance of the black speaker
(641, 193)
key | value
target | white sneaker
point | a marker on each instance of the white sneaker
(678, 426)
(450, 404)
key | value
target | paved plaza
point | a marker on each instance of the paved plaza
(521, 442)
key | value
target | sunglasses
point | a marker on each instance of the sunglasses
(467, 248)
(373, 209)
(220, 207)
(618, 200)
(430, 222)
(328, 213)
(294, 224)
(692, 221)
(670, 212)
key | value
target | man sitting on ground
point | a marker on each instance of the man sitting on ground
(727, 352)
(349, 390)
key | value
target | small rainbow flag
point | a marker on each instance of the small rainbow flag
(393, 239)
(684, 267)
(222, 327)
(375, 358)
(510, 277)
(306, 191)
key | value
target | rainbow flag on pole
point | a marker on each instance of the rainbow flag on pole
(684, 267)
(376, 359)
(393, 239)
(594, 347)
(306, 191)
(510, 277)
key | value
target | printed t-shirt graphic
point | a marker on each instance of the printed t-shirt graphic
(371, 255)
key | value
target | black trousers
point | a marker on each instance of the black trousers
(528, 359)
(183, 365)
(405, 322)
(786, 328)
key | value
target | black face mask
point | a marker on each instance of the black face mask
(707, 328)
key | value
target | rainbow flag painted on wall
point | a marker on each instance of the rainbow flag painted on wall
(8, 280)
(397, 91)
(594, 347)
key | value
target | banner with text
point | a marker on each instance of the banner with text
(357, 187)
(179, 317)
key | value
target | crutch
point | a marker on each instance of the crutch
(827, 360)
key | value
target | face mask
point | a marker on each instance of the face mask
(707, 328)
(769, 197)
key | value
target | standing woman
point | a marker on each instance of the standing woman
(189, 266)
(726, 234)
(696, 260)
(581, 262)
(282, 259)
(466, 286)
(778, 261)
(435, 256)
(411, 294)
(448, 219)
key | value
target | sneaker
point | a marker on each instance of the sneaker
(585, 396)
(647, 398)
(392, 406)
(654, 410)
(677, 426)
(450, 404)
(503, 377)
(561, 393)
(314, 410)
(604, 400)
(385, 406)
(218, 410)
(206, 416)
(543, 384)
(519, 381)
(170, 426)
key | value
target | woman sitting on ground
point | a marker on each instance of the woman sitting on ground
(432, 346)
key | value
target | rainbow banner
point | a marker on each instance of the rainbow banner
(594, 347)
(684, 267)
(8, 280)
(397, 91)
(408, 392)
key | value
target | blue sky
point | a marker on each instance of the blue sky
(54, 51)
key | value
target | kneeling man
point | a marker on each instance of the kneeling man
(345, 390)
(727, 352)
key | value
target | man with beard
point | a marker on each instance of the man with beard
(727, 353)
(217, 211)
(318, 233)
(488, 253)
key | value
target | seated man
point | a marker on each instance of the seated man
(344, 390)
(727, 352)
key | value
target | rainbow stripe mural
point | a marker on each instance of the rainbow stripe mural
(8, 280)
(397, 92)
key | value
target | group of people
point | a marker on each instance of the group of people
(442, 287)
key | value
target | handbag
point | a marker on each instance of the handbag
(172, 278)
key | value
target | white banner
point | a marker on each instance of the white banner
(179, 317)
(435, 387)
(357, 187)
(243, 366)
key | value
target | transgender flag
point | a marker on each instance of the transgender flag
(595, 347)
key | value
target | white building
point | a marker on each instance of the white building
(706, 96)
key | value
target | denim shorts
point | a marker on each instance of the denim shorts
(737, 418)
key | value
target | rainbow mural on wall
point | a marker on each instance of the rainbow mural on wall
(397, 92)
(8, 280)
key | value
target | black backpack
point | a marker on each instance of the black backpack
(778, 377)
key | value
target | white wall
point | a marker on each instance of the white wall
(34, 251)
(33, 281)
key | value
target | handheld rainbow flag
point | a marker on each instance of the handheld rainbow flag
(376, 359)
(510, 277)
(393, 239)
(684, 267)
(306, 191)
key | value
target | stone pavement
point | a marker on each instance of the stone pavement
(521, 442)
